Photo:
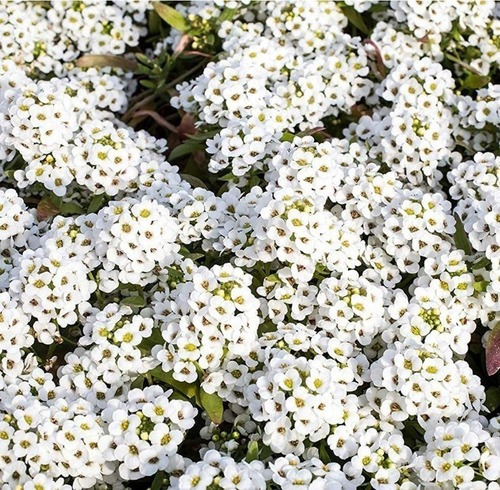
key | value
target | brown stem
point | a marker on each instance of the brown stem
(132, 110)
(159, 119)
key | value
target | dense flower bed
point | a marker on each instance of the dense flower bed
(249, 245)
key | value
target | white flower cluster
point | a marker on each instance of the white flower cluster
(209, 317)
(108, 357)
(134, 238)
(412, 28)
(60, 132)
(456, 452)
(145, 432)
(49, 38)
(47, 436)
(415, 136)
(294, 69)
(218, 471)
(315, 322)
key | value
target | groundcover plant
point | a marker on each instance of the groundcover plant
(249, 245)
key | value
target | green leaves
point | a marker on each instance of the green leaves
(194, 181)
(475, 81)
(227, 14)
(53, 205)
(97, 203)
(482, 262)
(212, 404)
(460, 237)
(103, 60)
(203, 136)
(481, 286)
(185, 149)
(158, 481)
(287, 137)
(171, 16)
(134, 301)
(189, 390)
(148, 343)
(71, 208)
(253, 452)
(493, 398)
(355, 18)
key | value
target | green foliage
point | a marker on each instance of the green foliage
(253, 452)
(97, 203)
(158, 481)
(171, 16)
(212, 404)
(460, 237)
(184, 149)
(493, 399)
(355, 18)
(474, 81)
(194, 181)
(134, 301)
(189, 390)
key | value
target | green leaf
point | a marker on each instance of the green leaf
(154, 22)
(474, 81)
(287, 137)
(137, 301)
(71, 208)
(97, 203)
(193, 256)
(184, 149)
(254, 181)
(229, 177)
(212, 404)
(138, 382)
(203, 136)
(103, 60)
(265, 453)
(273, 278)
(323, 453)
(175, 274)
(481, 286)
(142, 58)
(227, 14)
(455, 32)
(194, 181)
(482, 262)
(171, 16)
(154, 339)
(460, 237)
(355, 18)
(378, 7)
(493, 398)
(267, 327)
(253, 452)
(158, 481)
(148, 84)
(187, 389)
